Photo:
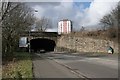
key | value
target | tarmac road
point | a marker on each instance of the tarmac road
(59, 65)
(47, 68)
(90, 65)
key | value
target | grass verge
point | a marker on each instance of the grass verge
(20, 67)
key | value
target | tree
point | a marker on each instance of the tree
(111, 22)
(111, 19)
(15, 19)
(43, 24)
(107, 20)
(82, 29)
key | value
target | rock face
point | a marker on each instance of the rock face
(84, 44)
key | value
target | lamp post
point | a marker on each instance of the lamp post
(30, 35)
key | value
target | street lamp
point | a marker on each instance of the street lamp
(36, 10)
(30, 36)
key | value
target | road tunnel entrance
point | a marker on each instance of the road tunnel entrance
(42, 44)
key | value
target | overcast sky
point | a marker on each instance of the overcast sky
(85, 14)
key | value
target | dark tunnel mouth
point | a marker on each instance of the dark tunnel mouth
(42, 44)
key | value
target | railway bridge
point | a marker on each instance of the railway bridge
(40, 40)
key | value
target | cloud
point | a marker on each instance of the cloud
(96, 11)
(81, 13)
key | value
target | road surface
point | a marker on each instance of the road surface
(76, 65)
(47, 68)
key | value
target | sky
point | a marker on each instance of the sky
(86, 14)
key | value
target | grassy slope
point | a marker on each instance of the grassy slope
(22, 65)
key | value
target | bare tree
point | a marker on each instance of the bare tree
(16, 18)
(111, 22)
(82, 29)
(43, 24)
(107, 20)
(7, 7)
(111, 19)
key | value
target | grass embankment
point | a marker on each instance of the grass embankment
(20, 67)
